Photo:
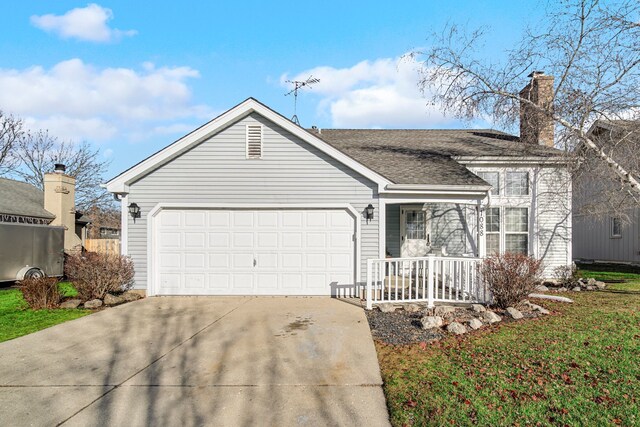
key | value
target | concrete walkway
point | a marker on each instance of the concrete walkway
(174, 361)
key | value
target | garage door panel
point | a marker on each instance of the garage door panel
(242, 260)
(219, 240)
(194, 240)
(219, 282)
(194, 260)
(242, 281)
(244, 252)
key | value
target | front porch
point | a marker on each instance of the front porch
(432, 252)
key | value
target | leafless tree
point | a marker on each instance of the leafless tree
(10, 131)
(38, 152)
(591, 47)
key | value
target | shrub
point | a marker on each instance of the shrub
(511, 277)
(95, 274)
(41, 292)
(567, 275)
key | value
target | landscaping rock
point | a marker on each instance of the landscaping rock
(443, 310)
(490, 317)
(131, 296)
(113, 300)
(429, 322)
(562, 289)
(456, 328)
(591, 288)
(591, 281)
(475, 324)
(514, 313)
(600, 285)
(412, 308)
(576, 289)
(551, 282)
(542, 288)
(94, 303)
(478, 308)
(72, 303)
(387, 307)
(551, 297)
(536, 307)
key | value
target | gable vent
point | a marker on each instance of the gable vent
(254, 141)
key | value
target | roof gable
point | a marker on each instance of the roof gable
(120, 183)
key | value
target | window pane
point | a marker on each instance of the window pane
(517, 183)
(516, 220)
(493, 220)
(415, 225)
(492, 178)
(493, 244)
(616, 227)
(516, 243)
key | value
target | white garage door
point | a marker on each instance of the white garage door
(253, 252)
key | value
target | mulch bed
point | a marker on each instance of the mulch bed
(400, 327)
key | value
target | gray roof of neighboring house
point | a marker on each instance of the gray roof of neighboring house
(408, 156)
(20, 198)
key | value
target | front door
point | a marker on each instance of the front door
(415, 233)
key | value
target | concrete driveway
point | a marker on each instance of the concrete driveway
(198, 361)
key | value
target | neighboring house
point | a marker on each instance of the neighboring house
(607, 237)
(251, 203)
(23, 203)
(105, 223)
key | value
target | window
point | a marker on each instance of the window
(616, 227)
(517, 183)
(415, 225)
(254, 141)
(492, 178)
(516, 226)
(493, 231)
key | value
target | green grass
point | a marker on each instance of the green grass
(16, 319)
(578, 366)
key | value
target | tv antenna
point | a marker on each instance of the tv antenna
(297, 85)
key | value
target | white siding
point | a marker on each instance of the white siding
(592, 239)
(549, 204)
(217, 171)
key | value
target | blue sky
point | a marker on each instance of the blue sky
(130, 78)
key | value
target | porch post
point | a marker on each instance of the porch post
(481, 230)
(368, 290)
(430, 277)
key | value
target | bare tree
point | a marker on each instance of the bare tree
(10, 132)
(591, 47)
(38, 153)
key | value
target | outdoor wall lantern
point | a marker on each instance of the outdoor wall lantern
(369, 212)
(134, 211)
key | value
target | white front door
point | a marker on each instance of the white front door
(253, 252)
(415, 233)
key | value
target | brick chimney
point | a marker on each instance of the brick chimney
(59, 199)
(535, 126)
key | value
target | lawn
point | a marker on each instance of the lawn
(578, 366)
(16, 319)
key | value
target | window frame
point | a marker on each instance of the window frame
(612, 227)
(506, 182)
(494, 191)
(502, 225)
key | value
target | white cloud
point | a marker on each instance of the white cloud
(108, 153)
(88, 23)
(382, 93)
(75, 100)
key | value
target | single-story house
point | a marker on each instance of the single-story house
(253, 204)
(602, 233)
(23, 203)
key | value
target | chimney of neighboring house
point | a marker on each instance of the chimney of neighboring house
(537, 127)
(59, 199)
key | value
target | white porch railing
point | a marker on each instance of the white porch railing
(428, 279)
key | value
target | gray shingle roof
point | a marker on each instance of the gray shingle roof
(20, 198)
(419, 156)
